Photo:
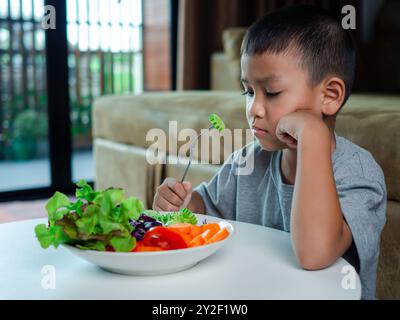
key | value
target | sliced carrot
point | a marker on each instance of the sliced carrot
(201, 239)
(197, 241)
(196, 236)
(195, 231)
(182, 228)
(142, 248)
(213, 227)
(207, 235)
(186, 228)
(186, 237)
(220, 235)
(149, 249)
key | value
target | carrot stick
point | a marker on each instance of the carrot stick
(141, 248)
(186, 231)
(213, 227)
(195, 231)
(220, 235)
(182, 228)
(207, 235)
(197, 241)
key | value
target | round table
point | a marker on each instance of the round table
(258, 263)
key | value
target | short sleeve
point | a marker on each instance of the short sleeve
(219, 194)
(363, 204)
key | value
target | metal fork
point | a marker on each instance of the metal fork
(190, 151)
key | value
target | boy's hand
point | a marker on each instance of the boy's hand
(290, 127)
(172, 195)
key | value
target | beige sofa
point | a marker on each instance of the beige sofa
(120, 125)
(225, 66)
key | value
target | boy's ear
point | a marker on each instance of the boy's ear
(333, 94)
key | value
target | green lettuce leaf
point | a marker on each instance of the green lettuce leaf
(96, 220)
(131, 208)
(87, 224)
(108, 226)
(85, 191)
(69, 228)
(53, 235)
(95, 245)
(54, 204)
(77, 207)
(123, 243)
(108, 200)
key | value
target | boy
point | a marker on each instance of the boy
(297, 71)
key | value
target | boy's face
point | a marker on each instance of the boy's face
(276, 85)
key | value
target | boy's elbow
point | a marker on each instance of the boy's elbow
(312, 264)
(316, 255)
(311, 261)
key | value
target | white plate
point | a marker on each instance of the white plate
(154, 263)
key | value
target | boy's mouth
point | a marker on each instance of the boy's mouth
(259, 133)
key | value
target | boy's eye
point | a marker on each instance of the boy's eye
(248, 93)
(273, 94)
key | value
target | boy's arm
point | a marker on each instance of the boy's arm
(196, 203)
(320, 234)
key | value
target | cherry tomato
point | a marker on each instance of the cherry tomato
(164, 238)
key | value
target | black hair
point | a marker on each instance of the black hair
(325, 47)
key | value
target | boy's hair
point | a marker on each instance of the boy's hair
(325, 47)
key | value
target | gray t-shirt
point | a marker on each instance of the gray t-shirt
(262, 198)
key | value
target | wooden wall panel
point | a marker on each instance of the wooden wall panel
(156, 45)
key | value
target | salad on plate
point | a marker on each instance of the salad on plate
(106, 220)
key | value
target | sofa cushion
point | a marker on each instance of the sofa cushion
(373, 122)
(127, 119)
(232, 40)
(225, 74)
(388, 276)
(123, 166)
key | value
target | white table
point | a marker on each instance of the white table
(258, 263)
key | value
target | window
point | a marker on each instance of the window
(24, 151)
(105, 56)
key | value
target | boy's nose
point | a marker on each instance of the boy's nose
(256, 109)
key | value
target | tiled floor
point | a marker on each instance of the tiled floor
(36, 173)
(21, 210)
(32, 174)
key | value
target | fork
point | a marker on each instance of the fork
(217, 123)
